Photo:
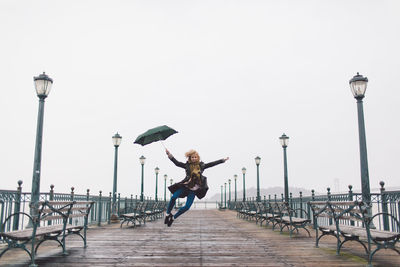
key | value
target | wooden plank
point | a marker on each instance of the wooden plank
(199, 238)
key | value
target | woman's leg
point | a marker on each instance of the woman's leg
(189, 202)
(173, 199)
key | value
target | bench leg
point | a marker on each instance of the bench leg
(45, 239)
(372, 254)
(18, 246)
(351, 239)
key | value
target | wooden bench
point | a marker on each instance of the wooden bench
(351, 221)
(136, 214)
(248, 210)
(143, 211)
(52, 222)
(285, 216)
(264, 213)
(154, 210)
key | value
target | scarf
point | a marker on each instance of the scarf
(195, 176)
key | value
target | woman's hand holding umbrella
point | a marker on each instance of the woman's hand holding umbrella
(168, 153)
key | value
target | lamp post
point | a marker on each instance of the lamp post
(116, 139)
(244, 183)
(229, 202)
(225, 194)
(284, 142)
(358, 85)
(157, 171)
(165, 187)
(43, 84)
(222, 199)
(142, 161)
(235, 177)
(258, 159)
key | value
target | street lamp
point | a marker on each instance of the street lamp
(235, 177)
(258, 159)
(142, 161)
(244, 183)
(116, 139)
(284, 142)
(157, 171)
(43, 84)
(358, 85)
(222, 199)
(229, 202)
(165, 187)
(225, 194)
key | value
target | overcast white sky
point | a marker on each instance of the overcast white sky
(230, 76)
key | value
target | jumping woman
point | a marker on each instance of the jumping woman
(194, 184)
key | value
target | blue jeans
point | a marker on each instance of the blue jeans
(189, 201)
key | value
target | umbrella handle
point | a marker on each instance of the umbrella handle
(163, 144)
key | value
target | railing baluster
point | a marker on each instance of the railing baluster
(17, 205)
(99, 210)
(384, 206)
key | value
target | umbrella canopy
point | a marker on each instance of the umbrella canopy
(155, 134)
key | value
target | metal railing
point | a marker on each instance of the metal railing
(16, 201)
(386, 202)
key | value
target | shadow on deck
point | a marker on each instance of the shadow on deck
(199, 238)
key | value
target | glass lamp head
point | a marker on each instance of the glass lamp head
(358, 86)
(284, 140)
(116, 139)
(142, 160)
(43, 84)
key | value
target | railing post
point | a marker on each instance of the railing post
(269, 198)
(126, 205)
(51, 198)
(100, 209)
(72, 199)
(275, 198)
(301, 204)
(291, 200)
(119, 204)
(282, 197)
(131, 201)
(351, 198)
(313, 199)
(350, 192)
(384, 206)
(265, 200)
(17, 206)
(329, 199)
(72, 193)
(1, 215)
(109, 209)
(88, 199)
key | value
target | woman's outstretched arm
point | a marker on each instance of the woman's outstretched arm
(213, 163)
(177, 163)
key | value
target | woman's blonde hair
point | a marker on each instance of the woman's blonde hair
(190, 153)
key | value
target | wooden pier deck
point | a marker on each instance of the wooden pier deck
(198, 238)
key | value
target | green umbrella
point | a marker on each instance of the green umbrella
(155, 134)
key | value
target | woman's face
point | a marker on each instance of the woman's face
(194, 158)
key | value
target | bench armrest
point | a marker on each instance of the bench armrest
(13, 215)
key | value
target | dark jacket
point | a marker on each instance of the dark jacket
(201, 192)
